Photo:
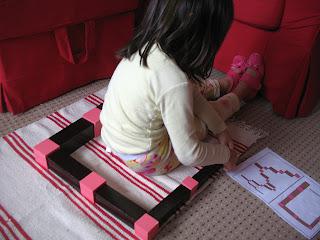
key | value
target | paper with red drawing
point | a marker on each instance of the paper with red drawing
(288, 191)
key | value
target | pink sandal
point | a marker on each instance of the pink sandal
(238, 62)
(254, 63)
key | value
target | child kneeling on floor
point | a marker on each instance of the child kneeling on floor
(155, 116)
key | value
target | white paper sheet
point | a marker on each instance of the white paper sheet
(292, 194)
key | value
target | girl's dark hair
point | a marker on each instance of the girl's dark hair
(188, 31)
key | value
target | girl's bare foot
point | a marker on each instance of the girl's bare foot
(243, 91)
(225, 84)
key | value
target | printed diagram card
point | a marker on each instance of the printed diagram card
(292, 194)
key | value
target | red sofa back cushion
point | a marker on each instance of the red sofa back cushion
(26, 17)
(298, 15)
(265, 14)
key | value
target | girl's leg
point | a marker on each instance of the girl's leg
(210, 88)
(213, 88)
(247, 87)
(227, 105)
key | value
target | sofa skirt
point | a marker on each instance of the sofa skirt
(40, 67)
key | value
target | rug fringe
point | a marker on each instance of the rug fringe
(258, 133)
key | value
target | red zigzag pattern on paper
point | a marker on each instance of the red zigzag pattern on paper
(268, 184)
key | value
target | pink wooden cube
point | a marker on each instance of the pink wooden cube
(93, 116)
(191, 184)
(89, 184)
(42, 150)
(146, 227)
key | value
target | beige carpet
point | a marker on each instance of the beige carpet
(224, 210)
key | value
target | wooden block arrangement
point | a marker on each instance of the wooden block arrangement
(54, 154)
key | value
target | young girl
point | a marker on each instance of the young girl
(154, 117)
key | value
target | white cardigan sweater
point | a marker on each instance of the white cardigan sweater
(144, 104)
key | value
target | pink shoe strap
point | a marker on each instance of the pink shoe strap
(232, 74)
(240, 64)
(255, 62)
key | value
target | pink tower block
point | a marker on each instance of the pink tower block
(89, 184)
(93, 116)
(42, 150)
(146, 227)
(191, 184)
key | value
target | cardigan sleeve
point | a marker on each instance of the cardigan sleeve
(207, 113)
(177, 110)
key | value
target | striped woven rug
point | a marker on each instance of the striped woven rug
(38, 204)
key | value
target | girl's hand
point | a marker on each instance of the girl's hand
(232, 163)
(225, 139)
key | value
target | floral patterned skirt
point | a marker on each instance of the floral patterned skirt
(158, 161)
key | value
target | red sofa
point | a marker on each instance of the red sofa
(50, 47)
(286, 33)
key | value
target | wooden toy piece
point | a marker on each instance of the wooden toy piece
(146, 227)
(89, 184)
(54, 154)
(43, 150)
(168, 206)
(191, 184)
(205, 173)
(100, 106)
(74, 136)
(119, 205)
(67, 168)
(93, 116)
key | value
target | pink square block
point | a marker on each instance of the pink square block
(146, 227)
(93, 116)
(42, 150)
(191, 184)
(89, 184)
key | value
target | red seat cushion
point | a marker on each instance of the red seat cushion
(265, 14)
(26, 17)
